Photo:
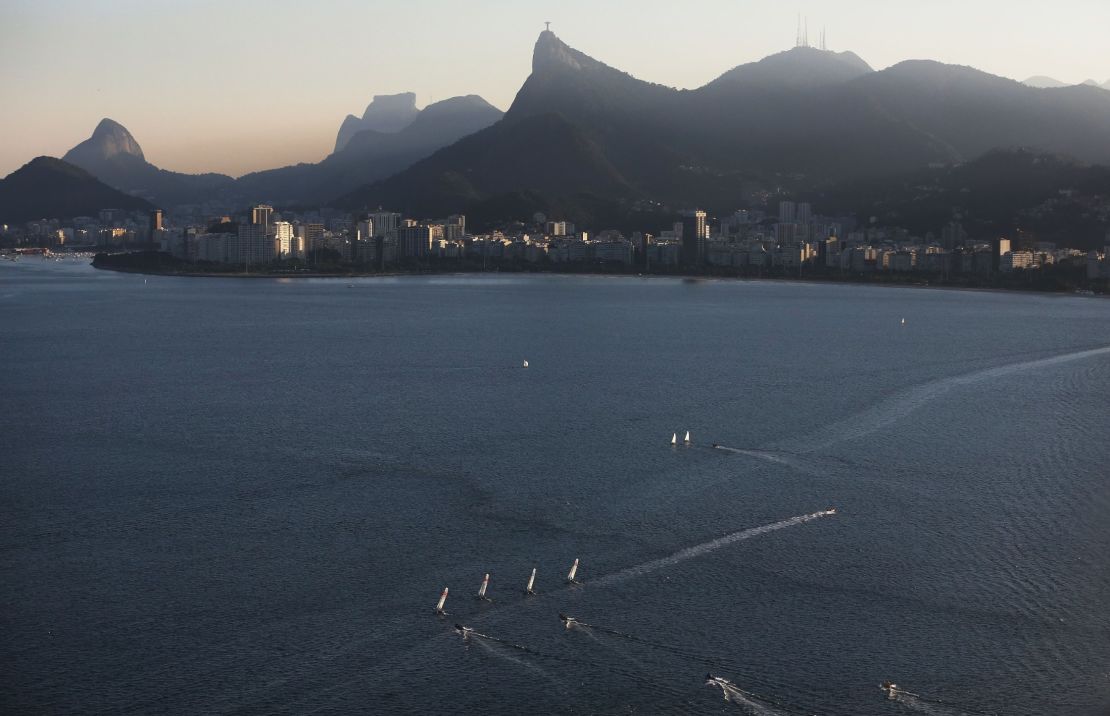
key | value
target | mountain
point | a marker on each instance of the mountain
(800, 118)
(385, 113)
(112, 155)
(1046, 196)
(50, 188)
(372, 154)
(1042, 82)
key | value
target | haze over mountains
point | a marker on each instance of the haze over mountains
(1043, 82)
(391, 135)
(580, 133)
(804, 116)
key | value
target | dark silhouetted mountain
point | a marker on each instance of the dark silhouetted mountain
(49, 188)
(1046, 196)
(386, 113)
(801, 117)
(112, 155)
(370, 154)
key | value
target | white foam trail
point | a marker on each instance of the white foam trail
(736, 696)
(913, 702)
(706, 548)
(502, 654)
(898, 407)
(777, 458)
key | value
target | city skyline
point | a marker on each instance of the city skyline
(303, 81)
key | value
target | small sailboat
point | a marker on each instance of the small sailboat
(442, 601)
(531, 582)
(687, 440)
(674, 438)
(525, 364)
(482, 589)
(573, 571)
(903, 321)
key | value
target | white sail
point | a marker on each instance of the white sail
(687, 440)
(531, 581)
(442, 601)
(674, 438)
(903, 321)
(525, 364)
(482, 589)
(573, 571)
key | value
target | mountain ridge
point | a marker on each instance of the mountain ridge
(49, 188)
(802, 116)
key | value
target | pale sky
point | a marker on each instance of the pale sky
(238, 85)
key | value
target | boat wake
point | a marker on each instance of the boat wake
(926, 706)
(898, 407)
(778, 458)
(705, 548)
(751, 703)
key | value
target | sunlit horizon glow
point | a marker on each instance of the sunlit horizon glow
(234, 86)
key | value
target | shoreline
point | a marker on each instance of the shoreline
(691, 278)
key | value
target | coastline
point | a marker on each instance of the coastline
(691, 278)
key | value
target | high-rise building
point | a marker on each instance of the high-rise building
(284, 247)
(260, 216)
(693, 237)
(254, 244)
(414, 241)
(788, 212)
(385, 222)
(804, 214)
(155, 223)
(455, 227)
(1000, 247)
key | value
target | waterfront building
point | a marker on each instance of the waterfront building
(693, 237)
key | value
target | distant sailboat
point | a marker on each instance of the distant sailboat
(482, 589)
(674, 438)
(525, 364)
(903, 321)
(442, 601)
(687, 440)
(573, 571)
(531, 582)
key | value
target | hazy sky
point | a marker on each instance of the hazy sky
(238, 85)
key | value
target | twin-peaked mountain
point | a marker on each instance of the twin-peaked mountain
(391, 136)
(802, 116)
(386, 113)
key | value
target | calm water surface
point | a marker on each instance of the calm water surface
(232, 496)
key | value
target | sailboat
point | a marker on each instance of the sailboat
(687, 440)
(674, 438)
(442, 601)
(903, 321)
(531, 582)
(525, 364)
(573, 571)
(482, 589)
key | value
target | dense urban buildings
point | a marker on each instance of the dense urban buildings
(790, 241)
